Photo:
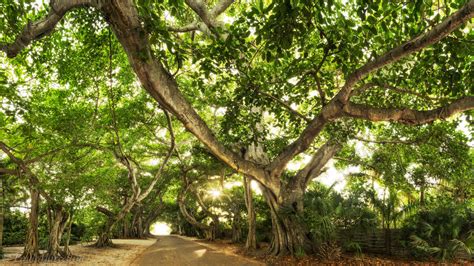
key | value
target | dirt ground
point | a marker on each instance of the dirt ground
(123, 253)
(346, 259)
(180, 251)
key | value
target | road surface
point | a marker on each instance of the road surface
(173, 250)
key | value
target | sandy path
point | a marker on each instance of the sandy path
(174, 250)
(124, 252)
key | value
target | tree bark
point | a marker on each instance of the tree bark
(210, 231)
(140, 227)
(125, 228)
(104, 240)
(290, 235)
(2, 214)
(57, 219)
(31, 250)
(251, 242)
(104, 236)
(66, 251)
(236, 229)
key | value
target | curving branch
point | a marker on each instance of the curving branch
(200, 8)
(124, 20)
(184, 211)
(302, 143)
(408, 116)
(432, 36)
(334, 109)
(33, 179)
(189, 27)
(8, 171)
(165, 162)
(220, 7)
(106, 212)
(205, 208)
(208, 17)
(39, 29)
(315, 167)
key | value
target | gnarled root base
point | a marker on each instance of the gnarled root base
(103, 242)
(29, 257)
(290, 236)
(47, 257)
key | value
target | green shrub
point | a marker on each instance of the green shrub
(440, 230)
(14, 228)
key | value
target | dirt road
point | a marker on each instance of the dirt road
(173, 250)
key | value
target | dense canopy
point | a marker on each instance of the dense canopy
(117, 113)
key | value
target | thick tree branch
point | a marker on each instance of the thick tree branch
(161, 85)
(190, 27)
(124, 20)
(432, 36)
(408, 116)
(220, 7)
(209, 17)
(333, 109)
(314, 168)
(165, 162)
(277, 166)
(39, 29)
(8, 171)
(106, 212)
(200, 8)
(33, 180)
(182, 207)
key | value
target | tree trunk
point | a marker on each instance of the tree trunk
(140, 227)
(146, 230)
(54, 219)
(31, 250)
(422, 196)
(57, 219)
(151, 217)
(126, 229)
(251, 242)
(210, 231)
(290, 235)
(2, 215)
(104, 236)
(66, 251)
(180, 224)
(137, 224)
(104, 239)
(236, 230)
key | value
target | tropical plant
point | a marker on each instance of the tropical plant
(441, 230)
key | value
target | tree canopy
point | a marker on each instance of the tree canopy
(109, 104)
